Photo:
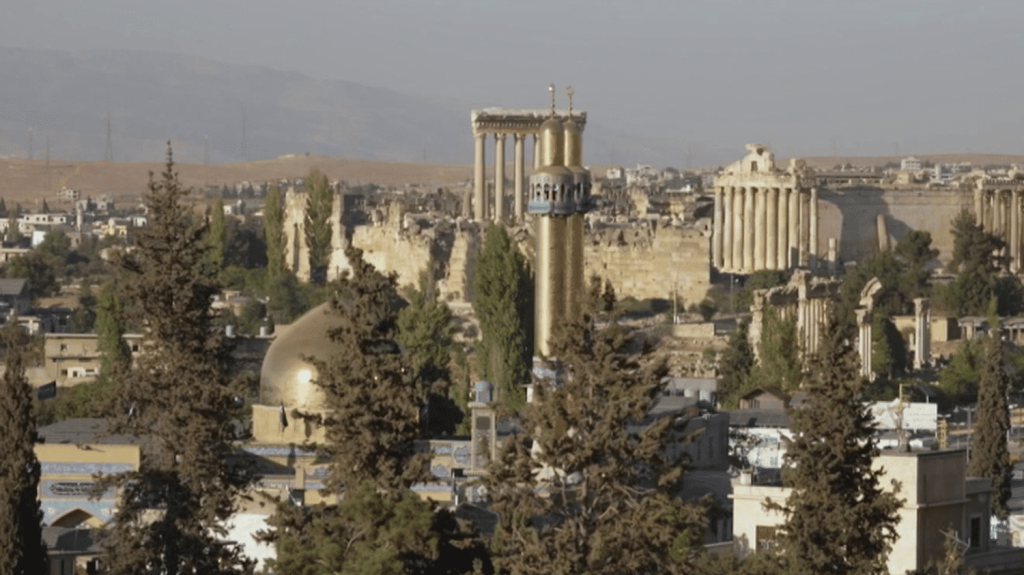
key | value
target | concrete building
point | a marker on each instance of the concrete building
(939, 499)
(765, 218)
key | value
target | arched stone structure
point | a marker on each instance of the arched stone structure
(77, 517)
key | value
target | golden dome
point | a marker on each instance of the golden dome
(285, 377)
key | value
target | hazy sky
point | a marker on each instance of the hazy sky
(858, 77)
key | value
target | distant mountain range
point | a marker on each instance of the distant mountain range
(201, 105)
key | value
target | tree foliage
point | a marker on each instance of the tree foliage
(888, 348)
(425, 331)
(115, 356)
(990, 456)
(734, 366)
(273, 231)
(980, 263)
(216, 235)
(319, 204)
(173, 510)
(779, 362)
(22, 551)
(374, 401)
(838, 517)
(762, 279)
(503, 302)
(577, 491)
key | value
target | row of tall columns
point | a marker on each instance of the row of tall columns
(480, 201)
(999, 212)
(764, 228)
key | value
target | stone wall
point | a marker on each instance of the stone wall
(850, 216)
(649, 262)
(296, 252)
(458, 285)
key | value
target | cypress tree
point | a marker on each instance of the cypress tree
(577, 491)
(780, 364)
(273, 231)
(22, 551)
(173, 510)
(319, 203)
(838, 518)
(990, 456)
(977, 265)
(216, 235)
(503, 304)
(110, 322)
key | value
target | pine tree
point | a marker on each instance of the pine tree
(319, 204)
(577, 491)
(216, 235)
(503, 304)
(990, 456)
(3, 208)
(977, 265)
(45, 207)
(838, 517)
(888, 349)
(273, 231)
(734, 366)
(22, 551)
(173, 509)
(374, 398)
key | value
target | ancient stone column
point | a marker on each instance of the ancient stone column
(997, 213)
(812, 229)
(479, 185)
(760, 225)
(864, 342)
(979, 207)
(1014, 231)
(804, 216)
(716, 233)
(536, 151)
(922, 335)
(792, 257)
(520, 177)
(772, 229)
(737, 229)
(782, 230)
(499, 177)
(727, 219)
(748, 229)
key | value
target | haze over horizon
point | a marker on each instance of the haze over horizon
(809, 78)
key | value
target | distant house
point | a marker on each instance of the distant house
(764, 398)
(15, 295)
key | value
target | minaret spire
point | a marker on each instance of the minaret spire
(551, 90)
(568, 93)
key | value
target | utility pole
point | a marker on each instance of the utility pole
(108, 155)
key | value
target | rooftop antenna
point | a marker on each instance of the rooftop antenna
(551, 90)
(108, 155)
(568, 93)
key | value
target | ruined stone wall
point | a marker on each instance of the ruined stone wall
(648, 263)
(458, 285)
(390, 249)
(296, 252)
(849, 215)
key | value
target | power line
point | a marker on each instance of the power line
(108, 155)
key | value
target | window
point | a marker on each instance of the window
(975, 532)
(765, 537)
(63, 347)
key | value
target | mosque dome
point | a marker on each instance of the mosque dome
(286, 378)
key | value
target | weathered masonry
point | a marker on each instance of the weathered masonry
(503, 122)
(765, 218)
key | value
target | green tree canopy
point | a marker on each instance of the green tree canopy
(179, 394)
(979, 263)
(503, 302)
(734, 366)
(22, 551)
(273, 231)
(319, 204)
(577, 491)
(990, 455)
(838, 517)
(779, 362)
